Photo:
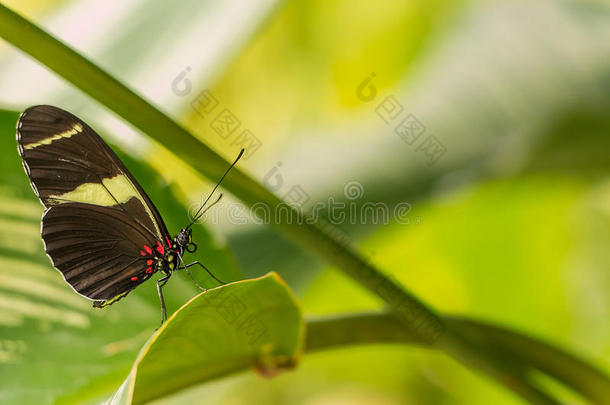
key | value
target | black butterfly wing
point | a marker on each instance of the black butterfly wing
(68, 163)
(101, 252)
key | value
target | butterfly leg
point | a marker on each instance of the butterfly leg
(193, 280)
(206, 269)
(160, 283)
(186, 268)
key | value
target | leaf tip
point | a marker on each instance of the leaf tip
(270, 367)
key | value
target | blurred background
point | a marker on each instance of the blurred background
(488, 118)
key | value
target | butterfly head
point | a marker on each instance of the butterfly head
(184, 239)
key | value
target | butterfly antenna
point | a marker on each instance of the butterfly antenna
(196, 216)
(208, 208)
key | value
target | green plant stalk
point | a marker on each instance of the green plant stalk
(373, 328)
(360, 329)
(315, 237)
(590, 382)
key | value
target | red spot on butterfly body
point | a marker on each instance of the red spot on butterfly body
(134, 278)
(143, 253)
(149, 262)
(169, 243)
(148, 249)
(160, 248)
(149, 270)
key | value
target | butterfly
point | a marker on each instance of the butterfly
(99, 227)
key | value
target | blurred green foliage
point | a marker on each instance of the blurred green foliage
(511, 226)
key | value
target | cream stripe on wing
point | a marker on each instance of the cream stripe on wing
(99, 194)
(76, 128)
(95, 193)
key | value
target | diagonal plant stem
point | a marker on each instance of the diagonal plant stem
(373, 328)
(320, 239)
(317, 238)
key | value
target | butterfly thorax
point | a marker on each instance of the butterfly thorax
(170, 261)
(165, 257)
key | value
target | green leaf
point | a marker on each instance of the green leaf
(253, 323)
